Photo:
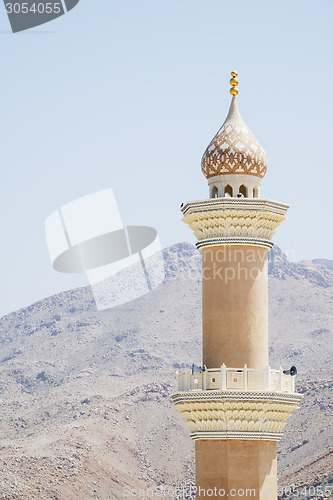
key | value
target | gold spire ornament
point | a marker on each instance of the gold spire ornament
(234, 83)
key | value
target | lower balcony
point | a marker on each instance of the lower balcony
(235, 403)
(235, 379)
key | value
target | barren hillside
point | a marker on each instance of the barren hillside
(84, 395)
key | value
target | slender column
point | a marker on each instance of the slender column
(243, 469)
(235, 306)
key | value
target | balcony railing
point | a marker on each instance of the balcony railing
(236, 379)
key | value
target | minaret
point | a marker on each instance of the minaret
(234, 404)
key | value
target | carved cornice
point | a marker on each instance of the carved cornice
(235, 415)
(232, 221)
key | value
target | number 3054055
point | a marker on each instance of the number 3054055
(35, 8)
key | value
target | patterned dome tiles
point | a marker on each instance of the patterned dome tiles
(234, 149)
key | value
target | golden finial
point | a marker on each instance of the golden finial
(234, 83)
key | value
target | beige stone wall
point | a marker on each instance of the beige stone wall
(235, 306)
(242, 469)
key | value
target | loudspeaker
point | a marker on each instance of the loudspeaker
(197, 369)
(292, 371)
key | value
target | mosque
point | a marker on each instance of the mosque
(235, 404)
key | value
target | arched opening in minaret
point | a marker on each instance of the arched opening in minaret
(243, 190)
(228, 191)
(215, 192)
(255, 192)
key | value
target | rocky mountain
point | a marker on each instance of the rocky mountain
(84, 394)
(324, 262)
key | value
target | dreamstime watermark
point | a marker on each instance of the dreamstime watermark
(26, 14)
(122, 263)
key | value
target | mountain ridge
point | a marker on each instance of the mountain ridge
(86, 392)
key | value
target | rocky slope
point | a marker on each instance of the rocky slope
(84, 394)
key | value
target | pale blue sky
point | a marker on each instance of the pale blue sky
(128, 94)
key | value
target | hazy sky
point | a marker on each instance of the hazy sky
(128, 95)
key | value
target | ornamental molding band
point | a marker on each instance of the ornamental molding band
(245, 396)
(277, 207)
(234, 149)
(252, 436)
(230, 241)
(262, 416)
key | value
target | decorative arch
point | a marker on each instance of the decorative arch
(215, 192)
(243, 190)
(228, 191)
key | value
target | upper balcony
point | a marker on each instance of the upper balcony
(234, 221)
(236, 379)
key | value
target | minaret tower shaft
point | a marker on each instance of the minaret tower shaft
(235, 405)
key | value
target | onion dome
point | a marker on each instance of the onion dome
(234, 149)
